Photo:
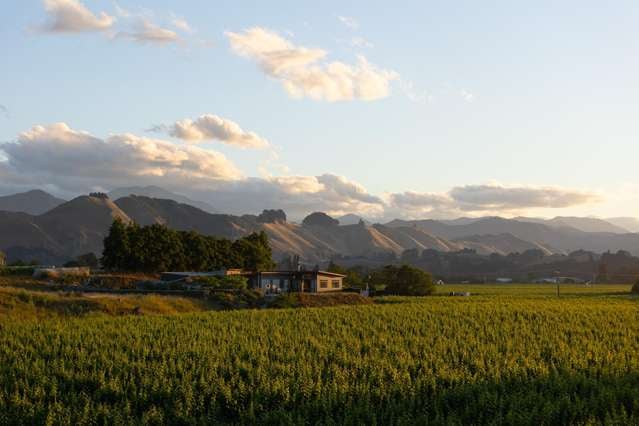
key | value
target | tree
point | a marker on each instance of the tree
(406, 280)
(272, 216)
(117, 247)
(635, 287)
(84, 260)
(3, 258)
(156, 248)
(254, 252)
(353, 278)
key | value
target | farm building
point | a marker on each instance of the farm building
(274, 282)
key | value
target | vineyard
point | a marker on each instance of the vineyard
(506, 355)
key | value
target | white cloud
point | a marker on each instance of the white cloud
(467, 95)
(297, 195)
(181, 24)
(212, 127)
(148, 32)
(360, 42)
(71, 16)
(349, 22)
(499, 197)
(77, 161)
(485, 199)
(303, 73)
(67, 161)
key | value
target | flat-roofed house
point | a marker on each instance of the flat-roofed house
(297, 281)
(274, 282)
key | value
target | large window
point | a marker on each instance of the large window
(323, 283)
(336, 284)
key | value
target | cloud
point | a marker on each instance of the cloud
(71, 16)
(343, 188)
(360, 42)
(297, 195)
(415, 205)
(181, 24)
(212, 127)
(69, 162)
(498, 197)
(349, 22)
(77, 161)
(148, 32)
(304, 73)
(479, 199)
(466, 95)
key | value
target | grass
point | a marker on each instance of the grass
(21, 304)
(509, 354)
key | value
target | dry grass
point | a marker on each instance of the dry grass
(18, 303)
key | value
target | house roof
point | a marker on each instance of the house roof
(326, 273)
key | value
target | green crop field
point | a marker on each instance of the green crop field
(511, 354)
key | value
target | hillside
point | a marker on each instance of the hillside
(585, 224)
(629, 223)
(71, 229)
(502, 244)
(563, 238)
(183, 217)
(32, 202)
(79, 226)
(160, 193)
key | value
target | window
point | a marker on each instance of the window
(323, 283)
(336, 284)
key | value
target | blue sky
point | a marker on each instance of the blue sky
(508, 100)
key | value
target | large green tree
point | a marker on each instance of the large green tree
(156, 248)
(117, 247)
(405, 280)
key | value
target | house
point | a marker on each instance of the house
(274, 282)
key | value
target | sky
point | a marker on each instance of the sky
(415, 109)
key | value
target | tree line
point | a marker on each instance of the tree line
(402, 280)
(155, 248)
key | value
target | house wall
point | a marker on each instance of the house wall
(273, 282)
(332, 283)
(291, 282)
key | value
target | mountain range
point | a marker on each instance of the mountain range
(33, 202)
(68, 229)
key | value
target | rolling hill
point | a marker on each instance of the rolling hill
(585, 224)
(160, 193)
(79, 226)
(32, 202)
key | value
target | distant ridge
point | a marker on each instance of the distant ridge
(33, 202)
(352, 219)
(80, 225)
(586, 224)
(629, 223)
(161, 193)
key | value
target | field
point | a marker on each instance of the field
(509, 354)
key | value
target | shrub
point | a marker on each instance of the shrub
(405, 280)
(635, 288)
(239, 299)
(227, 282)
